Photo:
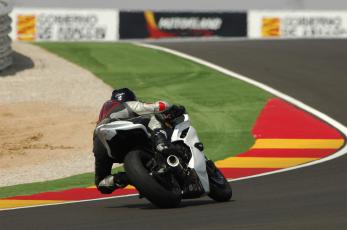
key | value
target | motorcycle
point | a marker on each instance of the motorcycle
(185, 173)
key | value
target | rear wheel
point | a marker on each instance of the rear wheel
(166, 195)
(220, 189)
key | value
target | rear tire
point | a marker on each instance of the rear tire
(220, 189)
(134, 164)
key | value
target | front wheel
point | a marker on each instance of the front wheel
(220, 189)
(135, 167)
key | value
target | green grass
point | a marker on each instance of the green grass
(222, 109)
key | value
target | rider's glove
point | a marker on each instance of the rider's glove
(173, 112)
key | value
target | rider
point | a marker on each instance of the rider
(123, 105)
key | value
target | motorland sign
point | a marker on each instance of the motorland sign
(64, 25)
(297, 24)
(166, 24)
(192, 23)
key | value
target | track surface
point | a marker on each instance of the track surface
(309, 198)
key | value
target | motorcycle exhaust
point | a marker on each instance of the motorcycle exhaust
(177, 169)
(173, 161)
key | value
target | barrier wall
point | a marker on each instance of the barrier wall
(38, 24)
(5, 28)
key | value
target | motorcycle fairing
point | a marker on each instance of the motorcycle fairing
(106, 132)
(190, 138)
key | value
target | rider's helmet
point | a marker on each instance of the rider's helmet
(123, 95)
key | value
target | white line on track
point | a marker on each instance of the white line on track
(267, 88)
(274, 92)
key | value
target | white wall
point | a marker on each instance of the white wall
(189, 4)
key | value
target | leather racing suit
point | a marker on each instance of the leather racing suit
(115, 110)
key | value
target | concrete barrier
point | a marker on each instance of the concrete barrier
(5, 28)
(66, 24)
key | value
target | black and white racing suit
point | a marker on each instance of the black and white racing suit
(114, 110)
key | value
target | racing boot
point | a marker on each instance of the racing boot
(112, 182)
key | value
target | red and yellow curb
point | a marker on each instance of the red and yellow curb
(285, 136)
(76, 194)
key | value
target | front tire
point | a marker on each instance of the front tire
(134, 164)
(220, 189)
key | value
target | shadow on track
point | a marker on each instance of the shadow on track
(184, 204)
(20, 63)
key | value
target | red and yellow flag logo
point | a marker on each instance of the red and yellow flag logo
(26, 27)
(271, 27)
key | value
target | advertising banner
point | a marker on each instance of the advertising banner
(297, 24)
(151, 24)
(39, 24)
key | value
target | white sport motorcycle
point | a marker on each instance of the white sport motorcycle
(164, 180)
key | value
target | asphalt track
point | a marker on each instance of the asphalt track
(308, 198)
